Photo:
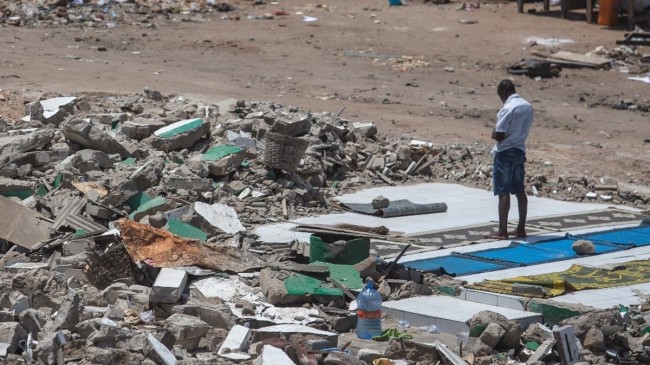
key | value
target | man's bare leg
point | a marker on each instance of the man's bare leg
(522, 205)
(504, 209)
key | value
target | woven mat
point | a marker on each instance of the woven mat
(576, 278)
(396, 208)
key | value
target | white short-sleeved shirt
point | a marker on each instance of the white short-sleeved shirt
(515, 120)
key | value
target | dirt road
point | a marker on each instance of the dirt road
(419, 70)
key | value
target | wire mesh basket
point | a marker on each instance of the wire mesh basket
(284, 152)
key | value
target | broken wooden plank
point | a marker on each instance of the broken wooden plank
(385, 178)
(345, 290)
(581, 58)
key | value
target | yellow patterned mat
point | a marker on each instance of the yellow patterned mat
(575, 278)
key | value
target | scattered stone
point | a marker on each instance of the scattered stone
(583, 247)
(380, 202)
(169, 286)
(90, 136)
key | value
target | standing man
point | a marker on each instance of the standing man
(513, 125)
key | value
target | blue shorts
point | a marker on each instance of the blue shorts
(509, 173)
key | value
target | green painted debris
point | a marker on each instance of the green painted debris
(129, 161)
(57, 180)
(532, 345)
(41, 190)
(22, 194)
(338, 249)
(80, 232)
(299, 284)
(183, 229)
(138, 199)
(178, 128)
(477, 330)
(216, 153)
(159, 200)
(449, 290)
(245, 163)
(552, 314)
(346, 275)
(645, 330)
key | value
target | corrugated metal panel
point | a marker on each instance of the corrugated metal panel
(79, 222)
(72, 207)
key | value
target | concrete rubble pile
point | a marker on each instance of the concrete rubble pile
(108, 13)
(126, 221)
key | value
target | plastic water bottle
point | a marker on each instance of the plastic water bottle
(369, 312)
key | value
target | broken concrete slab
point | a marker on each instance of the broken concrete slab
(300, 124)
(179, 135)
(11, 333)
(91, 160)
(182, 178)
(567, 345)
(51, 111)
(12, 145)
(91, 136)
(22, 226)
(366, 129)
(141, 128)
(412, 351)
(220, 216)
(222, 159)
(18, 188)
(287, 331)
(236, 343)
(187, 330)
(158, 351)
(169, 286)
(271, 355)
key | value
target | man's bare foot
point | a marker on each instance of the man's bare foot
(517, 233)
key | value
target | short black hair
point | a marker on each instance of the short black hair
(506, 87)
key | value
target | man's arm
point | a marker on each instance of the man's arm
(498, 136)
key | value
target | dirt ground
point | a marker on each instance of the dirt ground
(350, 57)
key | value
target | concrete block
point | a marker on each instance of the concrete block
(366, 129)
(141, 128)
(98, 212)
(187, 330)
(294, 127)
(74, 247)
(91, 136)
(369, 355)
(158, 352)
(288, 330)
(220, 216)
(10, 334)
(272, 355)
(51, 111)
(169, 286)
(179, 135)
(568, 345)
(236, 341)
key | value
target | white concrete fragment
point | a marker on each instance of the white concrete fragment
(272, 355)
(226, 289)
(166, 356)
(220, 216)
(237, 340)
(169, 286)
(286, 329)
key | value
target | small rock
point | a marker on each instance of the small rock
(583, 247)
(380, 202)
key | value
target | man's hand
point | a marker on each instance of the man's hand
(498, 136)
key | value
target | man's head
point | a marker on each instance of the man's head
(505, 89)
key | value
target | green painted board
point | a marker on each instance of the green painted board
(22, 194)
(178, 128)
(138, 199)
(299, 284)
(159, 200)
(183, 229)
(346, 275)
(130, 161)
(57, 180)
(216, 153)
